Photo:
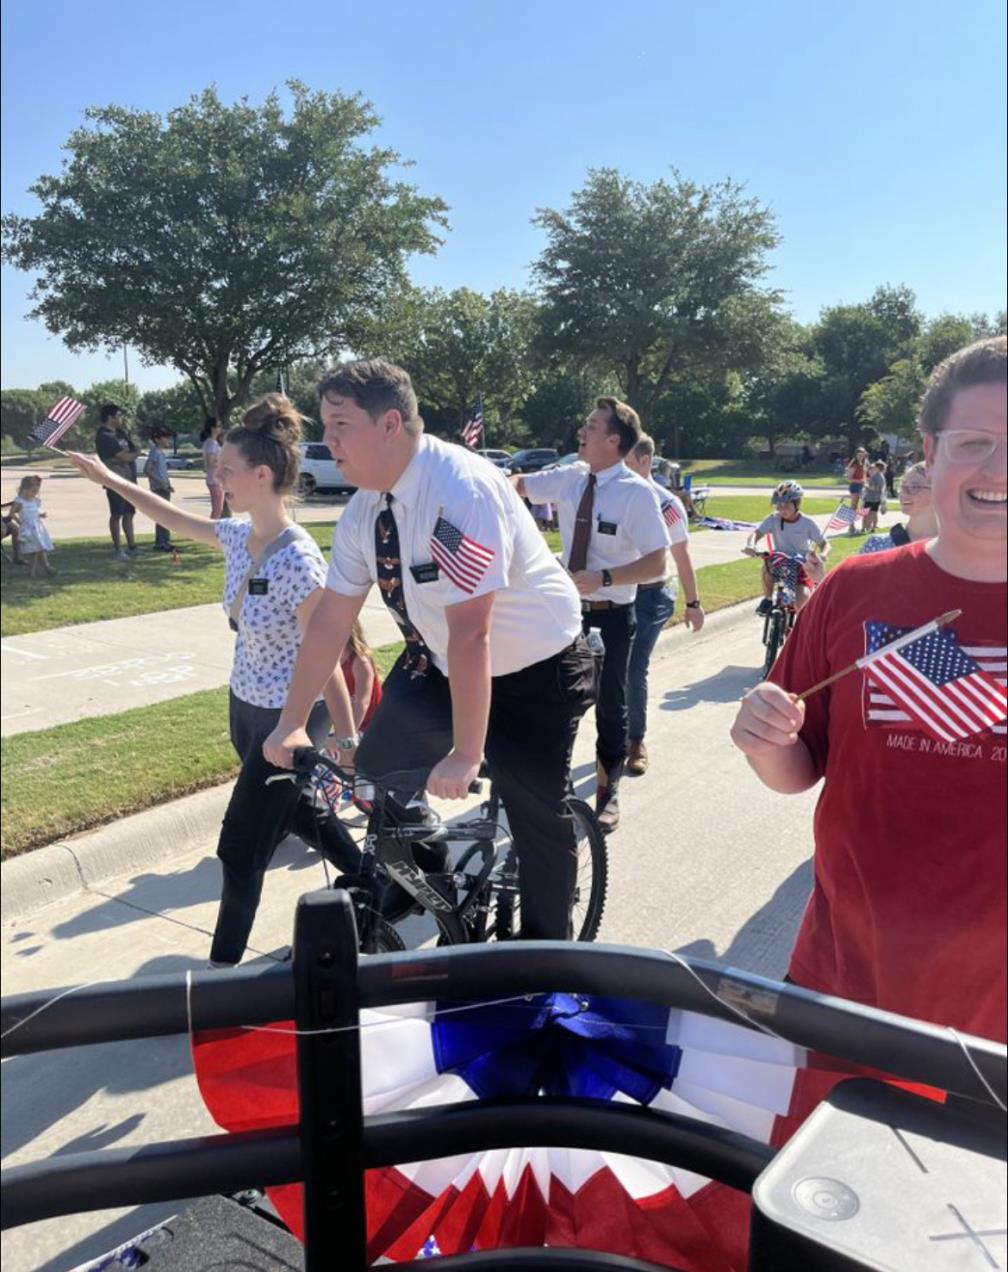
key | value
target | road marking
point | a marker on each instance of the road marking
(8, 648)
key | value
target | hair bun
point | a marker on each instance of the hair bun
(277, 417)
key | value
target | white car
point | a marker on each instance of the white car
(499, 458)
(319, 471)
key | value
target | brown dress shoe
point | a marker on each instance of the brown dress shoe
(637, 760)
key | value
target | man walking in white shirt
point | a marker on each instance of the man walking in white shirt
(614, 537)
(495, 662)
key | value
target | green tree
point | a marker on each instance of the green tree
(556, 407)
(460, 345)
(178, 407)
(641, 280)
(20, 411)
(222, 240)
(856, 345)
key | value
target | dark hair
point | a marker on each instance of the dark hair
(984, 362)
(269, 434)
(624, 420)
(376, 386)
(211, 423)
(108, 411)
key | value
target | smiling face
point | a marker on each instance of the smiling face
(914, 495)
(597, 446)
(245, 487)
(969, 489)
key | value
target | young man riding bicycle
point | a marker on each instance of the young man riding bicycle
(792, 533)
(494, 664)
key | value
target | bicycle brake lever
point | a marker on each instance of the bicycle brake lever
(282, 777)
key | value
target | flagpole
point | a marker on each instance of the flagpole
(917, 634)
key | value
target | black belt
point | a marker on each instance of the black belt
(588, 606)
(651, 587)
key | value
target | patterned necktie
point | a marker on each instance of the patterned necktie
(578, 558)
(390, 583)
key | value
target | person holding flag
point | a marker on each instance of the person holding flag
(494, 662)
(907, 913)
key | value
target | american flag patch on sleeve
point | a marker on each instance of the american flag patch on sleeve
(462, 559)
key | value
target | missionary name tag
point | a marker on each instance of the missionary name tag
(258, 587)
(607, 527)
(425, 573)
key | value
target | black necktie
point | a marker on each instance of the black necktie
(389, 562)
(578, 558)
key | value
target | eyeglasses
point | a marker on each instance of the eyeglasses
(963, 446)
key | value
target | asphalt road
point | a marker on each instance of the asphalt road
(706, 862)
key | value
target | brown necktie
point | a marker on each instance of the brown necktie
(578, 558)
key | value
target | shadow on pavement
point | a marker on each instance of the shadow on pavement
(40, 1091)
(728, 685)
(763, 943)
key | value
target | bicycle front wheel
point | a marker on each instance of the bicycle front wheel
(592, 872)
(774, 640)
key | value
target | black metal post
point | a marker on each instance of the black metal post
(329, 1082)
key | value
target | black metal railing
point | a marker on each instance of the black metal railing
(334, 1144)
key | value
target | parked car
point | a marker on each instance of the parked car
(499, 458)
(530, 461)
(564, 460)
(319, 471)
(179, 461)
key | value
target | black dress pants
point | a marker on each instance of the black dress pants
(617, 627)
(534, 715)
(258, 817)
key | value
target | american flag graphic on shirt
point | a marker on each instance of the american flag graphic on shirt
(462, 559)
(885, 699)
(673, 513)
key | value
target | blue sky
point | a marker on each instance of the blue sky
(875, 129)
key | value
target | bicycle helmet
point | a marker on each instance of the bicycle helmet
(787, 492)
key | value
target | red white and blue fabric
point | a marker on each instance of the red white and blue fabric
(473, 431)
(425, 1054)
(462, 559)
(787, 571)
(936, 683)
(843, 519)
(60, 417)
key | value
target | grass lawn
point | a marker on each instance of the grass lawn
(755, 507)
(73, 777)
(754, 472)
(70, 778)
(91, 585)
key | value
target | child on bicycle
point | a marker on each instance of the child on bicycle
(794, 534)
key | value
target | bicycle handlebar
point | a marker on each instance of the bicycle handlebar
(307, 758)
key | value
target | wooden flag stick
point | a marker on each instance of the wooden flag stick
(908, 639)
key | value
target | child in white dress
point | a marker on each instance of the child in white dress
(35, 540)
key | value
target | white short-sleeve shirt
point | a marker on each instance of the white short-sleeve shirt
(796, 538)
(627, 520)
(463, 532)
(268, 637)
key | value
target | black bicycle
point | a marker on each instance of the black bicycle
(786, 573)
(405, 865)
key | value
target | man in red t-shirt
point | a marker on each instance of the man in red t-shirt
(907, 911)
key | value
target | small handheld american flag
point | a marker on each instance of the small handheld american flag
(473, 431)
(60, 417)
(843, 519)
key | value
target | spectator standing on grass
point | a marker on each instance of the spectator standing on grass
(156, 472)
(34, 540)
(117, 450)
(915, 502)
(274, 577)
(874, 494)
(614, 537)
(655, 605)
(211, 447)
(856, 472)
(908, 913)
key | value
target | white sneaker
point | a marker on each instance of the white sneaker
(120, 554)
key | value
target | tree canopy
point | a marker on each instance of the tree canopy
(648, 281)
(222, 240)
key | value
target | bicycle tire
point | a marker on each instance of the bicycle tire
(382, 938)
(774, 640)
(593, 855)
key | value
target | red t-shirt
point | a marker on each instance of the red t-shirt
(907, 911)
(346, 666)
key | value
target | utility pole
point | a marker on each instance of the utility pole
(125, 366)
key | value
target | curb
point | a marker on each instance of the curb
(148, 839)
(135, 843)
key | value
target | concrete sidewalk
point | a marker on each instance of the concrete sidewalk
(93, 669)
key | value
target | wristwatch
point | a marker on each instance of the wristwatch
(342, 744)
(693, 604)
(606, 579)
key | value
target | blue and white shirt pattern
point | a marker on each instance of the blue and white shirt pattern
(268, 637)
